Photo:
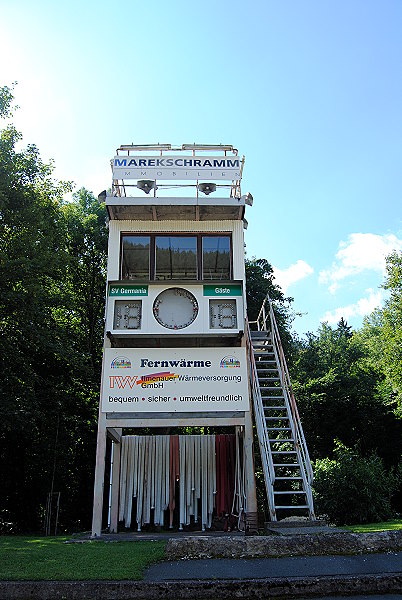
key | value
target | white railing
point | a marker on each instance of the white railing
(266, 322)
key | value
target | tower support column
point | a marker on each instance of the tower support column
(251, 490)
(114, 504)
(99, 476)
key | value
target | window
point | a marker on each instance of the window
(176, 257)
(135, 257)
(216, 257)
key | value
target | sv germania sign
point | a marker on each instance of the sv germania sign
(177, 167)
(174, 380)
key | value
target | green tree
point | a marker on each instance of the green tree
(391, 327)
(31, 267)
(339, 396)
(86, 246)
(351, 488)
(260, 282)
(52, 285)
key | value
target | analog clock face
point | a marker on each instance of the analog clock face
(175, 308)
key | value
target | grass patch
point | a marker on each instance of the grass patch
(393, 525)
(49, 558)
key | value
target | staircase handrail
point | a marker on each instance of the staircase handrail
(268, 315)
(265, 447)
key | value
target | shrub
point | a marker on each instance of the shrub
(353, 489)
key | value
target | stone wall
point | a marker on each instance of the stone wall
(316, 544)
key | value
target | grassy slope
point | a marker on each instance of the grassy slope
(394, 525)
(50, 558)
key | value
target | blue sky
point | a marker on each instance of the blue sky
(309, 91)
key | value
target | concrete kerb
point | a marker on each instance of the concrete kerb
(189, 590)
(276, 546)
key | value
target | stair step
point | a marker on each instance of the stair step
(271, 361)
(286, 465)
(283, 451)
(273, 371)
(291, 492)
(277, 418)
(281, 440)
(291, 507)
(279, 429)
(288, 478)
(275, 407)
(270, 379)
(276, 388)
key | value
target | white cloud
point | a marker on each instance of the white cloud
(362, 251)
(362, 307)
(286, 277)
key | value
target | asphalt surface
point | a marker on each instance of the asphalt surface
(298, 566)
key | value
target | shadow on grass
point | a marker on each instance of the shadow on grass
(50, 558)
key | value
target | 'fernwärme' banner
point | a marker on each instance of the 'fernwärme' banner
(174, 380)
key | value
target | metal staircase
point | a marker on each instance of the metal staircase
(285, 460)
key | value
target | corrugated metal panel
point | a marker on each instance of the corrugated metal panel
(238, 250)
(166, 226)
(114, 251)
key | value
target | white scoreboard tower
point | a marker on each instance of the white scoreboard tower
(174, 345)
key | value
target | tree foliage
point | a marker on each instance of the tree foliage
(391, 327)
(348, 386)
(52, 278)
(352, 489)
(339, 396)
(260, 282)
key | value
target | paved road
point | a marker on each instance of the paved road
(375, 597)
(298, 566)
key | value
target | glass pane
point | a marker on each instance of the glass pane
(135, 257)
(216, 257)
(176, 257)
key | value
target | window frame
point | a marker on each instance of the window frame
(128, 234)
(200, 251)
(152, 252)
